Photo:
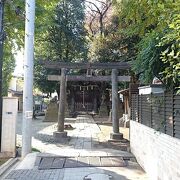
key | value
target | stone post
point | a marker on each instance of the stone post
(61, 113)
(115, 119)
(62, 101)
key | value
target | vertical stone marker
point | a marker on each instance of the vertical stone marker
(60, 133)
(115, 120)
(8, 143)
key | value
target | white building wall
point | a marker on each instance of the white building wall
(149, 90)
(157, 153)
(13, 84)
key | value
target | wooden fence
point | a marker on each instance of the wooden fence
(158, 111)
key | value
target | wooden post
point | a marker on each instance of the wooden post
(139, 108)
(141, 119)
(173, 126)
(62, 101)
(115, 120)
(72, 104)
(151, 118)
(125, 105)
(164, 103)
(95, 104)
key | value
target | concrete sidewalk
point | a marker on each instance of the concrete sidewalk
(84, 142)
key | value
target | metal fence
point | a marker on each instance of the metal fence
(158, 111)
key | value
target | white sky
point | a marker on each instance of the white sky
(19, 71)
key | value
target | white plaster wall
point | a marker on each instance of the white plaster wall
(157, 153)
(8, 143)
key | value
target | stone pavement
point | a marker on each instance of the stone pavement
(84, 142)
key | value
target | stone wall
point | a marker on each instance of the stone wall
(157, 153)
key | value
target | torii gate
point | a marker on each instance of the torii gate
(113, 78)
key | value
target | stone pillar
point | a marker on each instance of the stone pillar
(62, 101)
(61, 113)
(103, 112)
(115, 119)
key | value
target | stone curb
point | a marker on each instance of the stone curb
(7, 165)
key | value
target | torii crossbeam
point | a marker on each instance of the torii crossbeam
(67, 65)
(89, 78)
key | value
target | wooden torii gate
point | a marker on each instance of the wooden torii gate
(113, 78)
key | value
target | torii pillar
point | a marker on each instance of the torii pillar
(60, 133)
(115, 135)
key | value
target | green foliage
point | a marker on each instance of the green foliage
(171, 55)
(156, 23)
(40, 79)
(147, 32)
(66, 35)
(35, 150)
(14, 26)
(141, 16)
(8, 68)
(148, 58)
(63, 39)
(112, 48)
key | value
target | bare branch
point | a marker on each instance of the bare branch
(102, 2)
(107, 7)
(94, 5)
(93, 10)
(90, 25)
(99, 13)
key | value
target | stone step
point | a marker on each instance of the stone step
(74, 162)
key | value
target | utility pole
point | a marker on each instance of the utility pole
(1, 60)
(28, 78)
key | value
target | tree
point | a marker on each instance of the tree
(112, 48)
(41, 81)
(171, 55)
(64, 40)
(8, 68)
(113, 45)
(14, 25)
(97, 15)
(148, 58)
(150, 21)
(67, 34)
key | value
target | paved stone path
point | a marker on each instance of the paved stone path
(84, 142)
(74, 162)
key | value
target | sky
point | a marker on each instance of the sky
(19, 64)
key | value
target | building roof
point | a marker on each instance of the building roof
(124, 91)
